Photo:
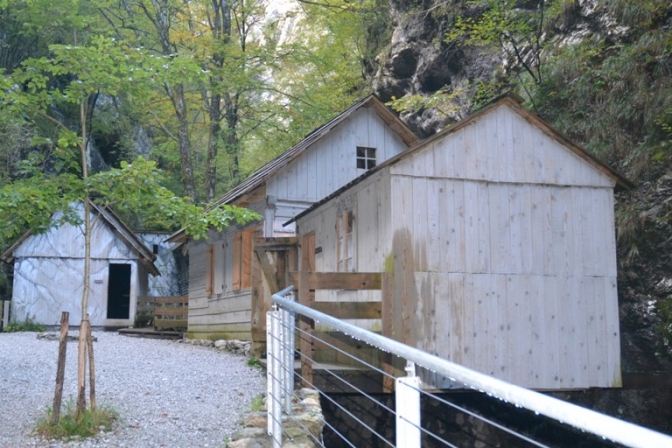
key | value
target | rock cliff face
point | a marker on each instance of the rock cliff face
(419, 61)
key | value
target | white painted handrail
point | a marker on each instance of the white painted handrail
(602, 425)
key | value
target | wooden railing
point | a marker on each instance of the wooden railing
(311, 341)
(168, 312)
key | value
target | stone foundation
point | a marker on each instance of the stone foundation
(453, 425)
(306, 416)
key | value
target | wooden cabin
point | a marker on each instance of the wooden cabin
(498, 233)
(221, 287)
(49, 272)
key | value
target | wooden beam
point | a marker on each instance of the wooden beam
(165, 323)
(267, 269)
(258, 307)
(170, 299)
(271, 244)
(350, 310)
(341, 280)
(158, 312)
(305, 338)
(387, 325)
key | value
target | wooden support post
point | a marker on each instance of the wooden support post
(305, 336)
(92, 366)
(258, 307)
(387, 294)
(60, 369)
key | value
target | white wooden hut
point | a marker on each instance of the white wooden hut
(220, 268)
(499, 233)
(49, 272)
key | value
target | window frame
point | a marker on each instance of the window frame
(367, 157)
(345, 242)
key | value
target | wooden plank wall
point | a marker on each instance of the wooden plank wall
(520, 255)
(227, 313)
(502, 147)
(525, 277)
(331, 162)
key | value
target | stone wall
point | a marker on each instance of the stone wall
(165, 284)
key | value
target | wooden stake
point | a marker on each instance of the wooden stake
(92, 366)
(60, 369)
(81, 369)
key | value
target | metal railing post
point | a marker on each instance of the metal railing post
(275, 408)
(407, 398)
(269, 372)
(288, 359)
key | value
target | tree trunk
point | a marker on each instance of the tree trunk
(176, 95)
(60, 369)
(92, 366)
(81, 353)
(214, 131)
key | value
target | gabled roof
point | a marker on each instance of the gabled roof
(260, 176)
(117, 226)
(513, 102)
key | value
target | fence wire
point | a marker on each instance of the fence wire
(429, 436)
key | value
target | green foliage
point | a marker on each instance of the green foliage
(137, 186)
(443, 101)
(69, 426)
(32, 203)
(27, 325)
(614, 98)
(257, 403)
(516, 30)
(253, 362)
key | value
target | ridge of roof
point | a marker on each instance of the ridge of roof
(267, 170)
(118, 227)
(512, 100)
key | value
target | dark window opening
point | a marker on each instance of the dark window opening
(366, 158)
(155, 249)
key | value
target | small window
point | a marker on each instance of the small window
(155, 249)
(366, 158)
(345, 250)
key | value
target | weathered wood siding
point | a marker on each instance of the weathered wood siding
(501, 146)
(524, 277)
(225, 314)
(369, 202)
(331, 162)
(321, 169)
(510, 237)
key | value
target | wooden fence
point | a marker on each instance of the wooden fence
(169, 312)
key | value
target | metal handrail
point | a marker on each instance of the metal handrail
(602, 425)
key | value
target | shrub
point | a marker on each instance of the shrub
(69, 426)
(27, 325)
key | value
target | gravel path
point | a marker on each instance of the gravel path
(167, 394)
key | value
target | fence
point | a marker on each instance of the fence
(168, 312)
(410, 430)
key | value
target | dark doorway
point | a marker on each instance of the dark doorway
(119, 291)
